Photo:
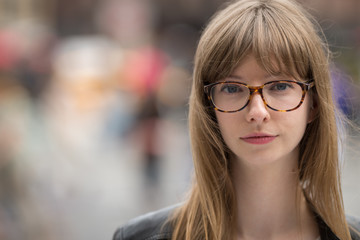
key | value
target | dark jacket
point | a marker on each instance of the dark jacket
(154, 226)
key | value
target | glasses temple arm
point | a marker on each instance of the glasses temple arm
(310, 84)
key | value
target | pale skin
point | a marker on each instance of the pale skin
(264, 175)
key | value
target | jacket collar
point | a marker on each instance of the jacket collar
(325, 232)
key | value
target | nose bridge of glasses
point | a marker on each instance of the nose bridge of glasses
(255, 89)
(259, 90)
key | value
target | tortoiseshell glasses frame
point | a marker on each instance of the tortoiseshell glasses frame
(305, 87)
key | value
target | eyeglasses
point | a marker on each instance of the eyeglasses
(281, 96)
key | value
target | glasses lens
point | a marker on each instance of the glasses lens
(229, 96)
(283, 95)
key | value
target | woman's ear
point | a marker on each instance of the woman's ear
(314, 109)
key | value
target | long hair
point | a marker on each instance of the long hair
(284, 38)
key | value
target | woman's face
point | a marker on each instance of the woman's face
(257, 134)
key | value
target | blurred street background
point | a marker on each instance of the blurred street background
(93, 109)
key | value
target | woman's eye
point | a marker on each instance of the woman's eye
(280, 86)
(230, 88)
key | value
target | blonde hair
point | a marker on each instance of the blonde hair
(284, 38)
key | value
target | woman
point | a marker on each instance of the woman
(263, 134)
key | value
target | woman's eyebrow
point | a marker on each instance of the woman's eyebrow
(277, 75)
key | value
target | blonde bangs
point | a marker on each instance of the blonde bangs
(280, 48)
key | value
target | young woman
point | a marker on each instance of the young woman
(263, 134)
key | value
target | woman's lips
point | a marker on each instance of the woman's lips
(258, 138)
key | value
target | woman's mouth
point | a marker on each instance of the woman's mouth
(258, 138)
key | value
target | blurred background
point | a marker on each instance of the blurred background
(93, 109)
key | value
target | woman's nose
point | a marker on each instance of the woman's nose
(257, 110)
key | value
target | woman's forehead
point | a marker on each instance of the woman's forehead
(268, 69)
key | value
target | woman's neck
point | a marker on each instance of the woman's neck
(270, 203)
